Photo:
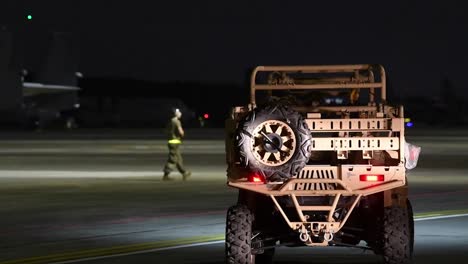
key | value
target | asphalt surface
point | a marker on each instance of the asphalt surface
(98, 198)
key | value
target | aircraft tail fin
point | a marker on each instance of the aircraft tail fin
(61, 61)
(10, 78)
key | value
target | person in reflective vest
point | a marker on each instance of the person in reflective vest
(175, 135)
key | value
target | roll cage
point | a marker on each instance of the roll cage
(325, 77)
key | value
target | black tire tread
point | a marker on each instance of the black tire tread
(411, 224)
(396, 236)
(238, 234)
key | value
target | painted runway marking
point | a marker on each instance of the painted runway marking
(128, 250)
(429, 217)
(122, 250)
(142, 252)
(426, 218)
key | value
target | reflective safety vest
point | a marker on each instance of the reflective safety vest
(174, 141)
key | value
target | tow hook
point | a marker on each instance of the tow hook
(328, 236)
(304, 236)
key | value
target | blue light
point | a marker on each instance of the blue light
(409, 124)
(339, 100)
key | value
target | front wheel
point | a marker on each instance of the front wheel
(411, 223)
(397, 235)
(239, 222)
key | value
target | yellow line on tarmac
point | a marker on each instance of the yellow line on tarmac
(440, 213)
(90, 253)
(113, 250)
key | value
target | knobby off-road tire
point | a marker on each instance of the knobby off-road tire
(275, 141)
(411, 224)
(397, 235)
(239, 222)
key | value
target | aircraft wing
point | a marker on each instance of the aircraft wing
(32, 88)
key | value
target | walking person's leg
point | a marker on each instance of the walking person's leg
(180, 166)
(172, 162)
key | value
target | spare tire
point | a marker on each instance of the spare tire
(275, 141)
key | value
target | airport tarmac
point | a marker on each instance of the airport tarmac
(98, 199)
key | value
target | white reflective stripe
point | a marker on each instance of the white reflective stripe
(174, 141)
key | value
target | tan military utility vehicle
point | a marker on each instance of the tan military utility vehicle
(319, 159)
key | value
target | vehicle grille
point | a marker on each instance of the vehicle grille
(313, 173)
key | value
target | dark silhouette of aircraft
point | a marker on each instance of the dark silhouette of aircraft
(37, 99)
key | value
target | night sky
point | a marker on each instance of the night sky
(419, 43)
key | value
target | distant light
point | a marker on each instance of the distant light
(409, 124)
(29, 17)
(77, 105)
(339, 100)
(407, 120)
(206, 116)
